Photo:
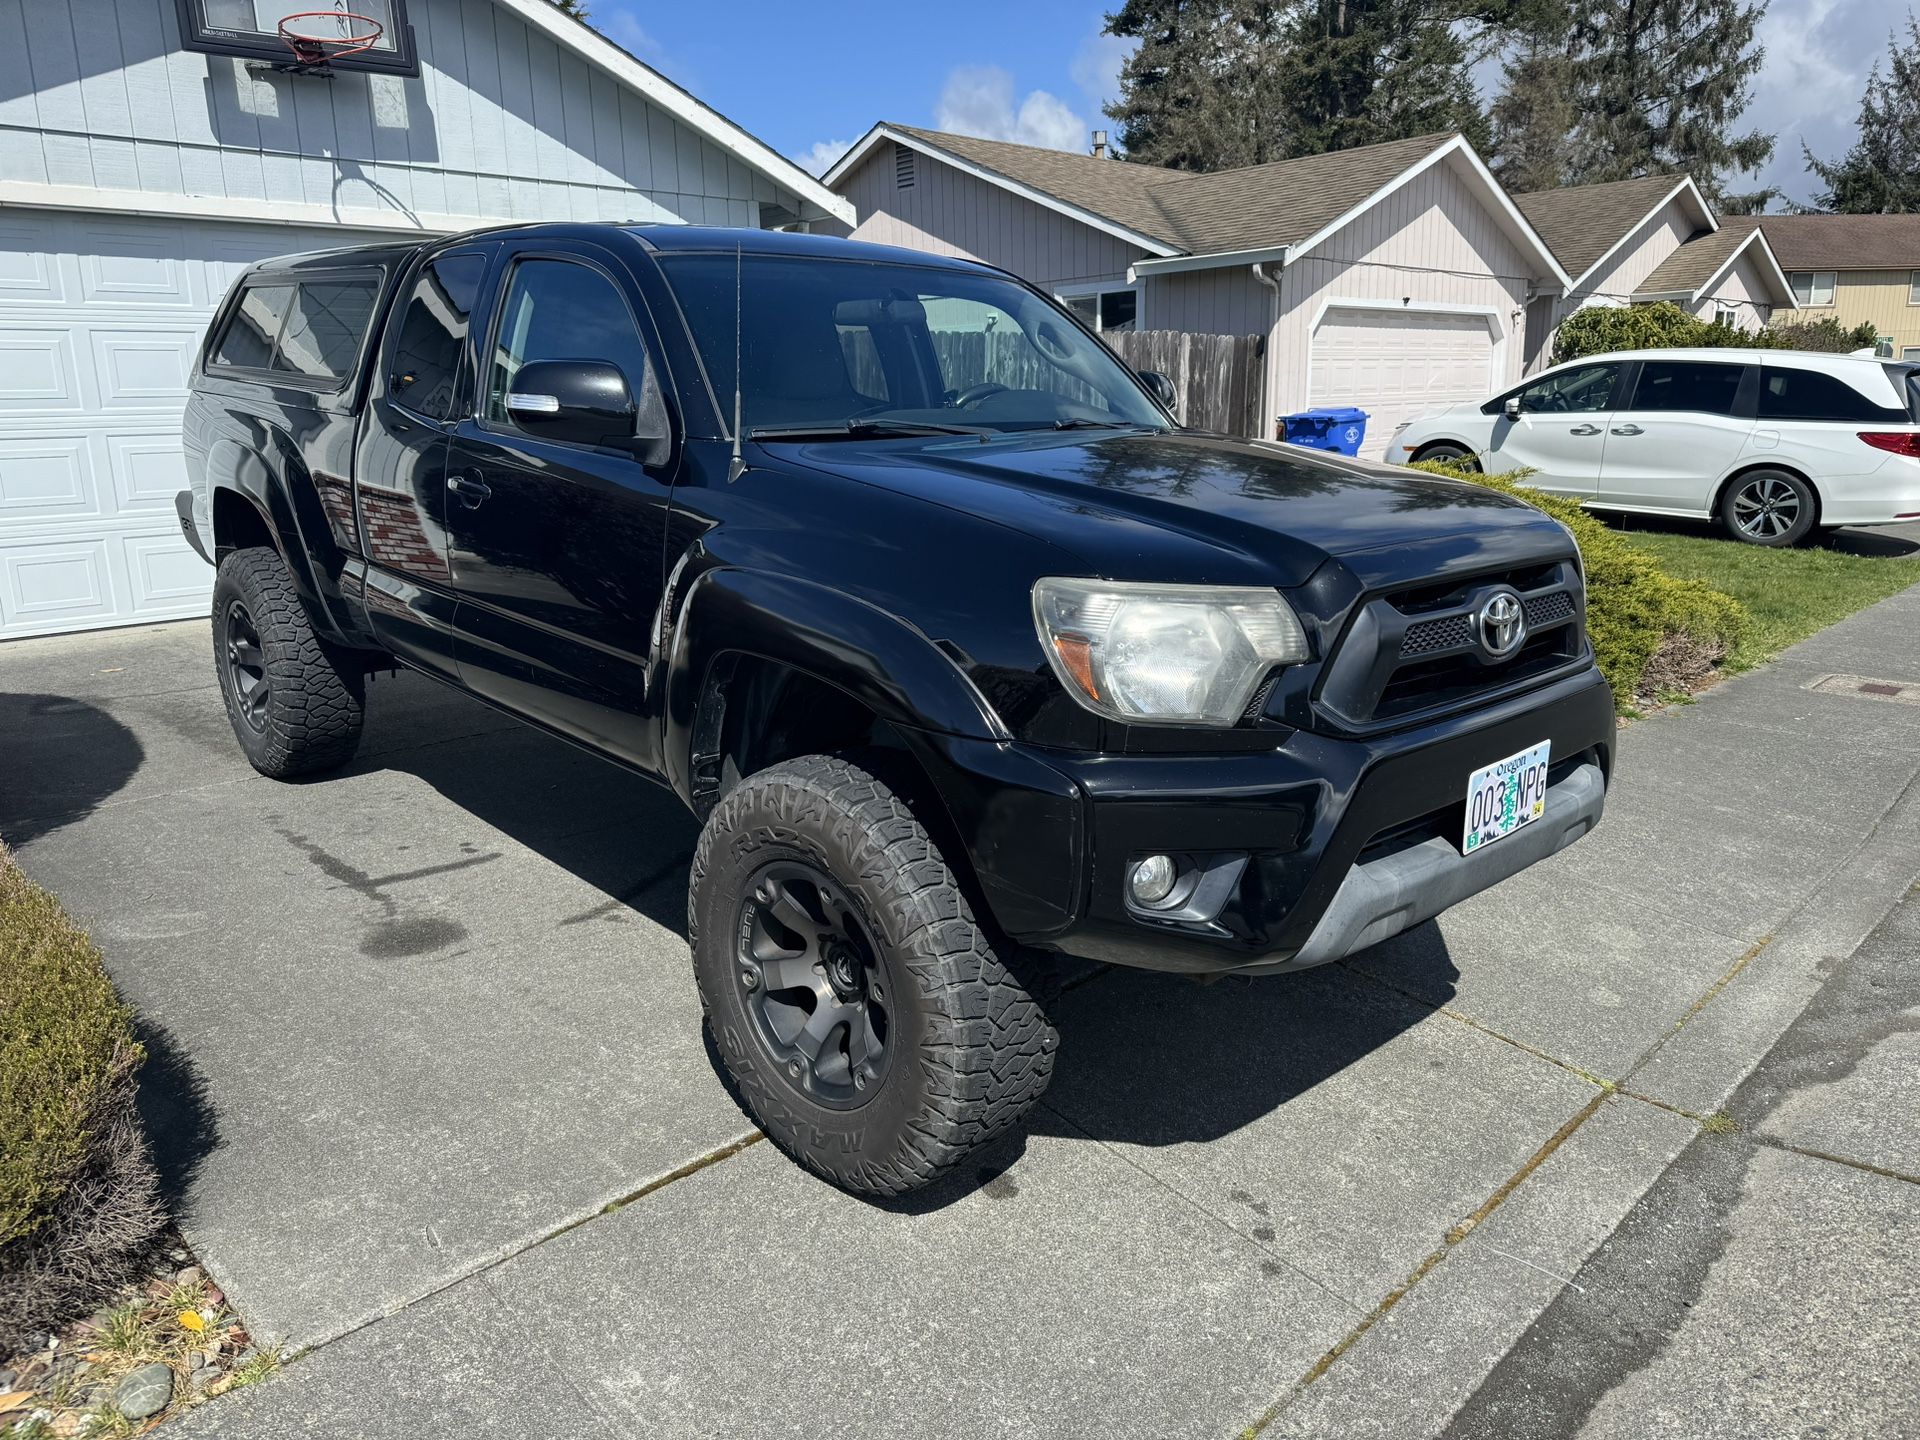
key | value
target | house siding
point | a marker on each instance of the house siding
(1432, 244)
(1744, 290)
(948, 212)
(502, 123)
(1878, 297)
(1226, 300)
(1643, 252)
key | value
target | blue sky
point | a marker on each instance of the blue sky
(807, 78)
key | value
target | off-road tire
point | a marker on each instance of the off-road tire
(972, 1049)
(316, 700)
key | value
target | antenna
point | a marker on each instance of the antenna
(738, 467)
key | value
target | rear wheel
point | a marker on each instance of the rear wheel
(1769, 507)
(871, 1029)
(296, 707)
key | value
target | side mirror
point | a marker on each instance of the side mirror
(1512, 407)
(588, 402)
(1160, 387)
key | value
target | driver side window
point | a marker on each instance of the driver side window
(561, 310)
(1583, 389)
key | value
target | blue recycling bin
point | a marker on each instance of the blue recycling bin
(1327, 427)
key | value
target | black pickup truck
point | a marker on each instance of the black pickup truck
(963, 651)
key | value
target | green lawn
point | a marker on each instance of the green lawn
(1789, 593)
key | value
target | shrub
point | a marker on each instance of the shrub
(1652, 632)
(1601, 329)
(78, 1193)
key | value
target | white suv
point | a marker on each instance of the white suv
(1773, 442)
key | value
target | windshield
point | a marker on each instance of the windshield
(860, 348)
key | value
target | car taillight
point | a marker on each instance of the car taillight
(1900, 442)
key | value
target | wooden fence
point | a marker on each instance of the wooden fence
(1215, 377)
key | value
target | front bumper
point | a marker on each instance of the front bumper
(1336, 844)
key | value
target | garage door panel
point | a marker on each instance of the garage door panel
(148, 471)
(29, 274)
(37, 370)
(47, 477)
(135, 267)
(144, 368)
(166, 575)
(1398, 365)
(55, 585)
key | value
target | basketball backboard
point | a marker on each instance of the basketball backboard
(251, 29)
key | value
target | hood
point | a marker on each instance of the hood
(1183, 508)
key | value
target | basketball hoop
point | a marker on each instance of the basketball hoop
(313, 51)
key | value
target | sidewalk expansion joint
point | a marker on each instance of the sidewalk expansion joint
(1448, 1242)
(1832, 1159)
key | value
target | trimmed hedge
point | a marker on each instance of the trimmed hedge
(1602, 329)
(78, 1194)
(1653, 633)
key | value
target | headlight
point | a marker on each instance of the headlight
(1164, 654)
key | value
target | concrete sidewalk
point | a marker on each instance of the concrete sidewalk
(437, 1104)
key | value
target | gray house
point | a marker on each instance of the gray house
(150, 149)
(1394, 277)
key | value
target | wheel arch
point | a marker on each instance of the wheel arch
(1752, 467)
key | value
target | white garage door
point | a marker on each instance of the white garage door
(1399, 365)
(100, 319)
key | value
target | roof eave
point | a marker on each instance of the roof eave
(1219, 259)
(854, 158)
(1684, 186)
(598, 50)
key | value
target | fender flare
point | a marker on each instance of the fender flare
(892, 668)
(267, 489)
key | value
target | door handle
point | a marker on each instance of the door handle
(470, 488)
(1627, 430)
(1584, 430)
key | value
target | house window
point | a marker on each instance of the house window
(1726, 315)
(1913, 287)
(1812, 287)
(1911, 352)
(1104, 310)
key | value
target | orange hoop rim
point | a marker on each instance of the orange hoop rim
(313, 49)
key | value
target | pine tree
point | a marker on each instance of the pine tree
(1880, 175)
(1190, 93)
(1659, 85)
(1534, 114)
(576, 8)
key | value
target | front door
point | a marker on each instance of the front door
(1686, 424)
(1561, 431)
(558, 547)
(400, 470)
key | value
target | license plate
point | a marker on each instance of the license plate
(1504, 796)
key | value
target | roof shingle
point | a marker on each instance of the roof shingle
(1693, 264)
(1581, 223)
(1844, 242)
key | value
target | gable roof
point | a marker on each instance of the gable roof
(1585, 224)
(1254, 210)
(1844, 242)
(1693, 269)
(587, 42)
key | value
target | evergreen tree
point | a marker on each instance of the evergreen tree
(1190, 93)
(1660, 85)
(576, 8)
(1880, 175)
(1534, 114)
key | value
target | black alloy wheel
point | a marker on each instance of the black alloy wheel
(246, 663)
(814, 985)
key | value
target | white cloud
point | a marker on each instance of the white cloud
(818, 158)
(979, 100)
(1808, 89)
(1096, 67)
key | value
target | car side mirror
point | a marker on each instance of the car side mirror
(1512, 408)
(588, 402)
(1160, 387)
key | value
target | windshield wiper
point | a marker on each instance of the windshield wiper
(1078, 424)
(858, 430)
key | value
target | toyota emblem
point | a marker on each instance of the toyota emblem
(1503, 624)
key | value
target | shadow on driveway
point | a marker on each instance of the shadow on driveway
(60, 759)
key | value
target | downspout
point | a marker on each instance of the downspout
(1272, 282)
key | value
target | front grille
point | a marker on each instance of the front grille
(1418, 649)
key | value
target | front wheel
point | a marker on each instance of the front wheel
(1447, 453)
(296, 707)
(872, 1031)
(1769, 507)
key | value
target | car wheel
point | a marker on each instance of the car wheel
(1769, 507)
(296, 709)
(870, 1028)
(1448, 454)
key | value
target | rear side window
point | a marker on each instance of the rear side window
(1811, 395)
(247, 342)
(1687, 385)
(324, 328)
(433, 332)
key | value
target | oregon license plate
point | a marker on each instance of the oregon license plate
(1504, 796)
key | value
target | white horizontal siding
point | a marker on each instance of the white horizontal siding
(500, 124)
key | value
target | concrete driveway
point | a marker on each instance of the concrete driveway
(434, 1102)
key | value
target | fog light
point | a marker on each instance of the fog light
(1152, 879)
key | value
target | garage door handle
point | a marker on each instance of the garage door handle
(1626, 430)
(1584, 430)
(470, 488)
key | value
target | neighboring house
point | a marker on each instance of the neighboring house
(1393, 277)
(149, 151)
(1858, 269)
(1655, 238)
